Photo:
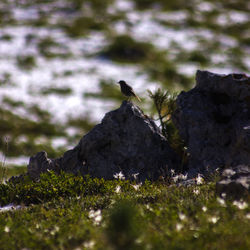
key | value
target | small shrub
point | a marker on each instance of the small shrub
(165, 105)
(56, 91)
(81, 26)
(26, 62)
(125, 49)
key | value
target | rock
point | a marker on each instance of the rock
(39, 164)
(235, 182)
(213, 119)
(125, 141)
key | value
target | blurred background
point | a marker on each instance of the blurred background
(60, 61)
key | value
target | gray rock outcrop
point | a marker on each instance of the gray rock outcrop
(125, 141)
(213, 119)
(235, 182)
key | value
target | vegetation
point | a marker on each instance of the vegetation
(26, 62)
(165, 105)
(126, 49)
(13, 128)
(57, 91)
(66, 211)
(47, 45)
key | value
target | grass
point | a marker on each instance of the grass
(69, 212)
(7, 171)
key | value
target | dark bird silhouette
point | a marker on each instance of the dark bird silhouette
(128, 90)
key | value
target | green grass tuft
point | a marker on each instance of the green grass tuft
(67, 211)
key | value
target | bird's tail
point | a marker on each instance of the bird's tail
(137, 97)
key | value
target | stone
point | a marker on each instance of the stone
(235, 182)
(213, 119)
(126, 141)
(40, 164)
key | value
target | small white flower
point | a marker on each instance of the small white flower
(91, 213)
(118, 189)
(136, 187)
(119, 176)
(172, 172)
(89, 244)
(199, 180)
(248, 216)
(98, 219)
(240, 204)
(196, 191)
(135, 176)
(228, 172)
(96, 216)
(196, 235)
(56, 229)
(180, 177)
(213, 219)
(204, 209)
(223, 195)
(182, 216)
(149, 208)
(178, 227)
(183, 177)
(6, 229)
(139, 240)
(221, 202)
(175, 178)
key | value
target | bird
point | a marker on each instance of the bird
(128, 90)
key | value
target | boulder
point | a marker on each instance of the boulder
(213, 119)
(125, 141)
(235, 182)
